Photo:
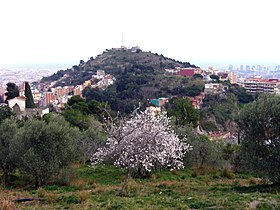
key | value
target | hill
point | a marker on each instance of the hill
(115, 62)
(139, 76)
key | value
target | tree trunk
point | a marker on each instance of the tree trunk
(37, 182)
(121, 193)
(6, 178)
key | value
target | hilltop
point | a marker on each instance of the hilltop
(115, 61)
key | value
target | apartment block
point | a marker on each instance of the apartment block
(260, 85)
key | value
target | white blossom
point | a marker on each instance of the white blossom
(143, 141)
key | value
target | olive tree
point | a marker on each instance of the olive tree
(92, 139)
(259, 124)
(183, 111)
(8, 129)
(44, 149)
(144, 141)
(206, 153)
(5, 112)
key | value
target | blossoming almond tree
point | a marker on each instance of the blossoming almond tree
(144, 141)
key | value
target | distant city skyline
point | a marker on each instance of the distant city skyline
(216, 33)
(202, 64)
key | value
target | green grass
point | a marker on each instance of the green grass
(97, 188)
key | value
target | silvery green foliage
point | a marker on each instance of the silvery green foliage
(144, 141)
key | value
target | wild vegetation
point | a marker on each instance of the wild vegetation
(81, 158)
(50, 154)
(115, 62)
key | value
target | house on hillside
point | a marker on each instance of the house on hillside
(17, 104)
(186, 73)
(135, 49)
(213, 88)
(197, 100)
(100, 74)
(157, 104)
(223, 76)
(189, 72)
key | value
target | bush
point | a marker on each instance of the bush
(227, 173)
(205, 153)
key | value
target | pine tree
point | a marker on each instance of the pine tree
(29, 103)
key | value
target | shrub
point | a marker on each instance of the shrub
(227, 173)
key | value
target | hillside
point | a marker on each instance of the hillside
(115, 61)
(141, 76)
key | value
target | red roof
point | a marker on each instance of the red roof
(188, 72)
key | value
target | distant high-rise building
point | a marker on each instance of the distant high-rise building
(248, 67)
(230, 67)
(241, 67)
(259, 67)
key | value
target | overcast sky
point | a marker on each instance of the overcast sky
(61, 32)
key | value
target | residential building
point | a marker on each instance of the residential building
(87, 83)
(260, 85)
(211, 70)
(213, 88)
(189, 72)
(172, 71)
(49, 97)
(223, 76)
(197, 100)
(17, 104)
(100, 74)
(78, 90)
(158, 102)
(232, 77)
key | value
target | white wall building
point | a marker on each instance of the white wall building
(17, 103)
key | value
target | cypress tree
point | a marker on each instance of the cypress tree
(12, 91)
(29, 103)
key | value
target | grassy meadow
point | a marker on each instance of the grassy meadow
(97, 188)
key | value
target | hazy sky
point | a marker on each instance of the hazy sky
(61, 32)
